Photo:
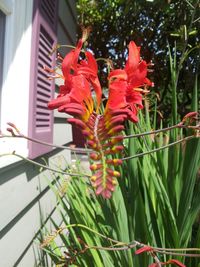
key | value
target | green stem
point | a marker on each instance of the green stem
(133, 244)
(154, 132)
(125, 246)
(160, 148)
(94, 232)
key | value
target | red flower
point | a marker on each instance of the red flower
(89, 69)
(172, 261)
(124, 88)
(175, 262)
(135, 68)
(150, 249)
(79, 78)
(102, 131)
(144, 249)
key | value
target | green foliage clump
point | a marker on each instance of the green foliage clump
(157, 203)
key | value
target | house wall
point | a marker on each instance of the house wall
(25, 198)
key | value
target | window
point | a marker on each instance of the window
(14, 92)
(27, 33)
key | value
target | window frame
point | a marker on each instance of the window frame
(2, 40)
(15, 86)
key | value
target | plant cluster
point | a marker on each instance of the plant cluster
(154, 210)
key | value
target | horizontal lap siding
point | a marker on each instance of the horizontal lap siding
(66, 35)
(62, 131)
(26, 201)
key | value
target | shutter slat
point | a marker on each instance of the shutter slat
(44, 44)
(42, 112)
(43, 93)
(42, 61)
(41, 107)
(48, 7)
(44, 82)
(41, 98)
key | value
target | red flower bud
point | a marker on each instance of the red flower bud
(176, 262)
(97, 182)
(143, 249)
(116, 129)
(110, 186)
(116, 139)
(115, 162)
(96, 176)
(88, 134)
(78, 122)
(191, 116)
(95, 156)
(92, 144)
(95, 167)
(113, 173)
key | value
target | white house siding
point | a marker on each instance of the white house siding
(25, 198)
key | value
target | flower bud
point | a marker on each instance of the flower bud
(116, 149)
(115, 162)
(116, 129)
(95, 167)
(110, 186)
(78, 122)
(88, 134)
(95, 156)
(97, 182)
(92, 144)
(113, 173)
(116, 139)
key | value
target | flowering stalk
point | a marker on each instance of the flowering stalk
(81, 96)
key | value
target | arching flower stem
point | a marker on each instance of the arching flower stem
(117, 245)
(15, 133)
(43, 166)
(160, 148)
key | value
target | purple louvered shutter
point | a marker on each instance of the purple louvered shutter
(44, 39)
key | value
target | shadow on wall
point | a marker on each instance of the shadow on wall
(26, 204)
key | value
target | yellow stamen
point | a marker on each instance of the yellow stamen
(141, 90)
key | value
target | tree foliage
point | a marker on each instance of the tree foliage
(156, 26)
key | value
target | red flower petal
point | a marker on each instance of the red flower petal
(89, 69)
(56, 103)
(81, 89)
(117, 74)
(92, 62)
(143, 249)
(133, 58)
(117, 92)
(77, 122)
(176, 262)
(70, 61)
